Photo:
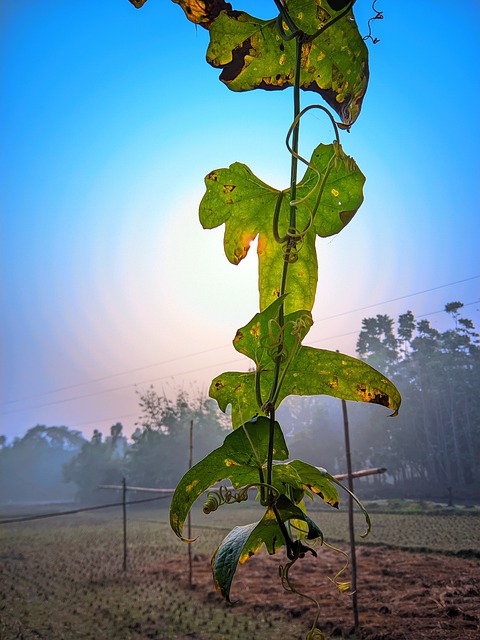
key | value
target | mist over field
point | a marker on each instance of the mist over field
(430, 450)
(162, 476)
(98, 567)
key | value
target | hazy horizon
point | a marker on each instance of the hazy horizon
(111, 118)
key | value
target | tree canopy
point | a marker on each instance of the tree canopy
(435, 442)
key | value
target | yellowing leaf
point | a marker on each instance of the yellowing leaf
(240, 459)
(246, 205)
(243, 542)
(312, 372)
(252, 54)
(202, 12)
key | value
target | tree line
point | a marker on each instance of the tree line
(430, 449)
(60, 464)
(434, 443)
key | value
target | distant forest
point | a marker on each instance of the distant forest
(430, 450)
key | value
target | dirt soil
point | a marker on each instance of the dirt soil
(401, 595)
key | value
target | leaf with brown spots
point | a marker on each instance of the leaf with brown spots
(241, 456)
(243, 542)
(246, 205)
(203, 12)
(312, 372)
(253, 55)
(260, 338)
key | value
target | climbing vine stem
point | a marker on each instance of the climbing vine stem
(291, 242)
(281, 53)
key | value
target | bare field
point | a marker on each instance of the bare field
(63, 579)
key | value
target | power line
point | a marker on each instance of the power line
(198, 353)
(423, 315)
(126, 386)
(117, 419)
(114, 375)
(410, 295)
(341, 335)
(57, 514)
(182, 373)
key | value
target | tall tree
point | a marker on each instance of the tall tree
(97, 463)
(31, 466)
(159, 454)
(377, 343)
(436, 438)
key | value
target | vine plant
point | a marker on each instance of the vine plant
(313, 45)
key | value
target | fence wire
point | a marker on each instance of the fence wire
(58, 514)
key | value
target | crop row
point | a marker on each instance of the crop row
(452, 533)
(65, 580)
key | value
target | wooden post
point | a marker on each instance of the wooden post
(124, 507)
(189, 518)
(353, 557)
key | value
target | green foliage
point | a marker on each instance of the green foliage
(244, 459)
(47, 461)
(160, 449)
(253, 54)
(436, 441)
(247, 206)
(303, 370)
(261, 54)
(244, 541)
(241, 459)
(97, 463)
(31, 467)
(312, 45)
(377, 343)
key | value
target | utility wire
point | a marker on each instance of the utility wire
(125, 386)
(410, 295)
(57, 514)
(423, 315)
(341, 335)
(205, 351)
(115, 375)
(128, 386)
(182, 373)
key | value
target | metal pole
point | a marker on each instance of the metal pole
(353, 556)
(189, 518)
(124, 506)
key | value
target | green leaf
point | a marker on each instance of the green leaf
(252, 55)
(243, 542)
(226, 557)
(246, 205)
(312, 372)
(238, 389)
(240, 458)
(259, 338)
(286, 480)
(317, 480)
(338, 375)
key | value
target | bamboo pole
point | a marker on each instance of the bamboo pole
(189, 517)
(353, 556)
(124, 509)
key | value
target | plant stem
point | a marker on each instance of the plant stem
(283, 286)
(293, 212)
(271, 435)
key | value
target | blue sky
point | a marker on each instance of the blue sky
(110, 120)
